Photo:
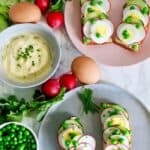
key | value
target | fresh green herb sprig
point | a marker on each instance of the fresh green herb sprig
(57, 5)
(86, 97)
(14, 109)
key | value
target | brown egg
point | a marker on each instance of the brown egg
(24, 12)
(86, 70)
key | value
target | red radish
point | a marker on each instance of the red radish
(51, 88)
(55, 19)
(69, 81)
(42, 4)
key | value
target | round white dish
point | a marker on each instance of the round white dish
(103, 92)
(15, 30)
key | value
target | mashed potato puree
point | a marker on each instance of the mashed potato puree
(27, 58)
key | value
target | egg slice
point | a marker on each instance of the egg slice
(87, 29)
(68, 136)
(101, 31)
(116, 147)
(133, 12)
(118, 121)
(130, 33)
(91, 9)
(110, 112)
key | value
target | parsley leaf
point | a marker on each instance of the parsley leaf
(86, 97)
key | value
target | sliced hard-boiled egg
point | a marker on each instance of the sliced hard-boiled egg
(110, 112)
(132, 14)
(87, 29)
(130, 33)
(101, 31)
(68, 137)
(118, 121)
(118, 139)
(116, 131)
(88, 139)
(84, 146)
(93, 8)
(116, 147)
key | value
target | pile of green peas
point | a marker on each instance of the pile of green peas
(16, 137)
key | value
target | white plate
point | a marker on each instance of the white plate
(71, 106)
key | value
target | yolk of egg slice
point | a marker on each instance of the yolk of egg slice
(102, 30)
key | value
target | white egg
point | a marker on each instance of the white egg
(86, 29)
(130, 33)
(90, 10)
(101, 31)
(134, 11)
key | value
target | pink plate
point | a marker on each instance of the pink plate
(110, 54)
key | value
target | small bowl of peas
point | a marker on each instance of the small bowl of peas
(17, 136)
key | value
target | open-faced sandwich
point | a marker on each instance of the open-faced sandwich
(71, 136)
(96, 27)
(134, 26)
(117, 133)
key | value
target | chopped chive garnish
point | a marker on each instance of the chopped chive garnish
(33, 63)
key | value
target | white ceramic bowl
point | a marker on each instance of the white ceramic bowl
(28, 128)
(15, 30)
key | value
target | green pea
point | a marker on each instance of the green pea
(145, 10)
(67, 143)
(98, 35)
(102, 16)
(100, 2)
(27, 133)
(121, 140)
(33, 146)
(86, 40)
(75, 143)
(132, 7)
(114, 141)
(109, 124)
(92, 21)
(90, 10)
(125, 132)
(104, 105)
(116, 132)
(93, 2)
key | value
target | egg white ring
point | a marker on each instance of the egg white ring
(116, 147)
(109, 26)
(120, 118)
(127, 12)
(86, 29)
(61, 135)
(139, 34)
(103, 8)
(126, 9)
(126, 141)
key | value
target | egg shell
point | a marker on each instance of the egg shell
(86, 70)
(24, 12)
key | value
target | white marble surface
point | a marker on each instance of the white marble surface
(135, 79)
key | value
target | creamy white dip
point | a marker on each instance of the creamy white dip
(27, 57)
